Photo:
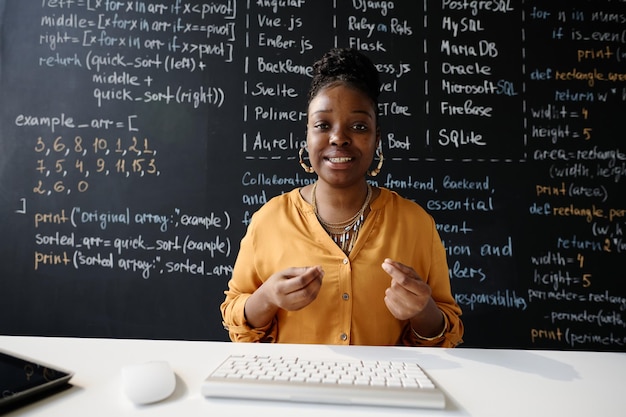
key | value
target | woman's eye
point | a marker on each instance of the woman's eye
(359, 127)
(321, 125)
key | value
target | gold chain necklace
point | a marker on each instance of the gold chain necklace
(343, 233)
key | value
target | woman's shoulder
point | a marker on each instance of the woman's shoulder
(403, 213)
(389, 199)
(281, 203)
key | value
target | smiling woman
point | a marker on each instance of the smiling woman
(337, 260)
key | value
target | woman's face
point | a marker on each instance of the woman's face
(342, 134)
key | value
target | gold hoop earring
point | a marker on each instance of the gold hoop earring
(307, 169)
(376, 170)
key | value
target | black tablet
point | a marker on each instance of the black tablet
(24, 380)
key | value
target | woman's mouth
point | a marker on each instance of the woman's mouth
(340, 160)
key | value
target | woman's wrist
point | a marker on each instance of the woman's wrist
(258, 310)
(443, 331)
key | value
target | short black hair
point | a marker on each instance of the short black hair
(346, 65)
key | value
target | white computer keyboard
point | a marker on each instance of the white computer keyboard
(384, 383)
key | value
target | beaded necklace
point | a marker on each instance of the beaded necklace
(344, 233)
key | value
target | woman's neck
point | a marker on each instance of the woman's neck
(338, 204)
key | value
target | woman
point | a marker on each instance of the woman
(340, 261)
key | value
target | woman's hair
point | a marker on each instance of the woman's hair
(343, 65)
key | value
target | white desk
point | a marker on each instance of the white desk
(478, 382)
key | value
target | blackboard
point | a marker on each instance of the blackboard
(138, 137)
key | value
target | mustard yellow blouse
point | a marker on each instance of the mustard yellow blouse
(350, 307)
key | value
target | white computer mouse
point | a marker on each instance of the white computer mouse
(148, 382)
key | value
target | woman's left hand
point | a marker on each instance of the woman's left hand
(408, 294)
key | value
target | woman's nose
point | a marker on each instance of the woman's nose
(339, 138)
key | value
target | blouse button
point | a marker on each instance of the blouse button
(345, 261)
(345, 296)
(344, 337)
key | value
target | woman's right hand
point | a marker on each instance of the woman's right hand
(290, 289)
(294, 288)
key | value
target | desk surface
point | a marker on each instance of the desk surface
(477, 382)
